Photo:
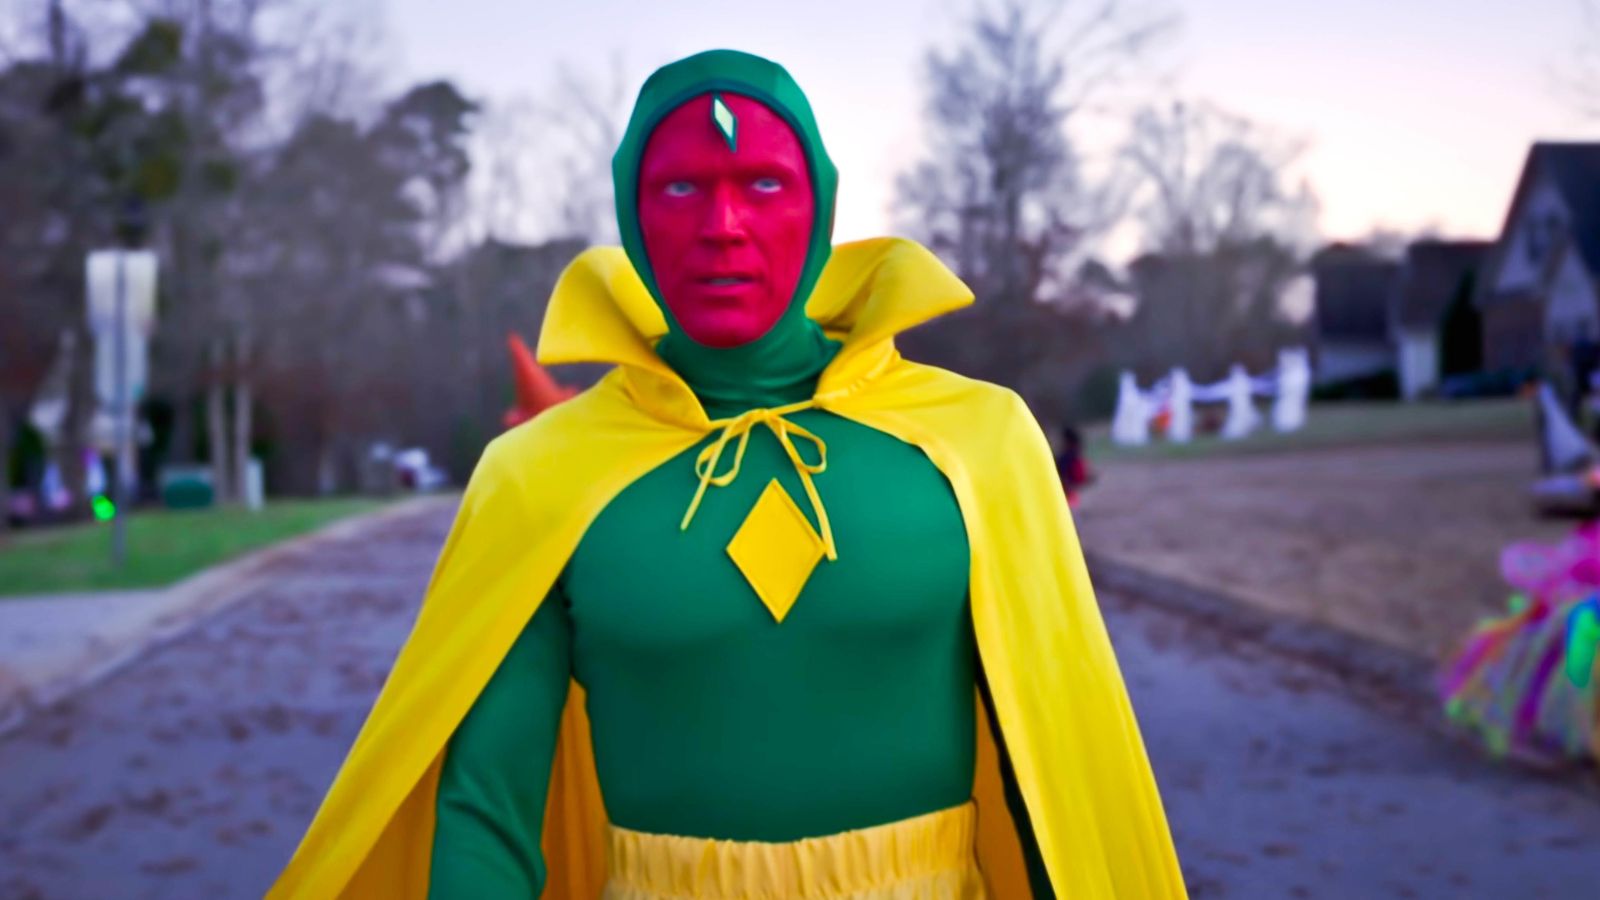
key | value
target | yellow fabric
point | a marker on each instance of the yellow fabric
(929, 857)
(1057, 692)
(776, 550)
(738, 428)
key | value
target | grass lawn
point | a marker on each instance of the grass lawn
(164, 546)
(1344, 425)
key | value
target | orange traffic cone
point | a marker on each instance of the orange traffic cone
(536, 390)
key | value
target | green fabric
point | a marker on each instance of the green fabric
(497, 769)
(856, 710)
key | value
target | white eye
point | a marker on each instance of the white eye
(679, 189)
(767, 185)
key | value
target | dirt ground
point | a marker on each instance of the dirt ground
(1397, 543)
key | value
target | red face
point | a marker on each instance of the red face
(726, 232)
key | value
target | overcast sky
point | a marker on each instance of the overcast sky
(1418, 112)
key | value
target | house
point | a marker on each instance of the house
(1434, 323)
(1354, 289)
(1540, 283)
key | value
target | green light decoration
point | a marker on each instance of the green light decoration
(726, 122)
(1583, 639)
(104, 509)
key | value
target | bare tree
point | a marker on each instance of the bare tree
(500, 190)
(587, 114)
(1577, 82)
(1003, 194)
(1207, 177)
(1226, 226)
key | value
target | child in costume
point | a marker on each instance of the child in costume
(1527, 683)
(768, 612)
(1072, 465)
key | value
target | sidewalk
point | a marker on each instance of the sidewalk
(54, 645)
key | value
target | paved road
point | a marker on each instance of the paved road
(192, 773)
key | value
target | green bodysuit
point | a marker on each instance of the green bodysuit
(710, 718)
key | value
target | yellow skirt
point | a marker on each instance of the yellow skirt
(929, 857)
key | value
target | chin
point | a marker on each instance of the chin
(728, 330)
(723, 337)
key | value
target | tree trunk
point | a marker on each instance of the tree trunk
(70, 451)
(217, 425)
(181, 448)
(242, 411)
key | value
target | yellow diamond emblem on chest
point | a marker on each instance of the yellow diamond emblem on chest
(776, 548)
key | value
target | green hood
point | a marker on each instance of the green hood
(736, 73)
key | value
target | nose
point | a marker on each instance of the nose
(723, 223)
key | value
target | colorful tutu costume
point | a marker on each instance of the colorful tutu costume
(1527, 682)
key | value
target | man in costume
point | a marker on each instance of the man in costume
(769, 612)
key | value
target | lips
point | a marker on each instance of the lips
(731, 279)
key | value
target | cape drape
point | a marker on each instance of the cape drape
(1057, 692)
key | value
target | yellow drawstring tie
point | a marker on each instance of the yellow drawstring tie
(705, 465)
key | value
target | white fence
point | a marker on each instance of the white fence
(1289, 386)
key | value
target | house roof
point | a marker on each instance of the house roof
(1574, 169)
(1435, 274)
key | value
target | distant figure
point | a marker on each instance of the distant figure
(1072, 465)
(1562, 446)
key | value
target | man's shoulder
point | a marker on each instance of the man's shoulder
(942, 388)
(985, 429)
(560, 451)
(557, 430)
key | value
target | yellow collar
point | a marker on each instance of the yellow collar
(870, 291)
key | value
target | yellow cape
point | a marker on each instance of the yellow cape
(1058, 694)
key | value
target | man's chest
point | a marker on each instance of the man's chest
(641, 585)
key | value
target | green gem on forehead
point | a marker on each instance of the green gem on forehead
(726, 122)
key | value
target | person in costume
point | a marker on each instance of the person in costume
(1072, 465)
(769, 612)
(1528, 683)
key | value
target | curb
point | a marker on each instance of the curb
(180, 607)
(1360, 662)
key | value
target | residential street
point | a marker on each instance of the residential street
(192, 772)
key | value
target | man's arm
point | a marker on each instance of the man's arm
(491, 800)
